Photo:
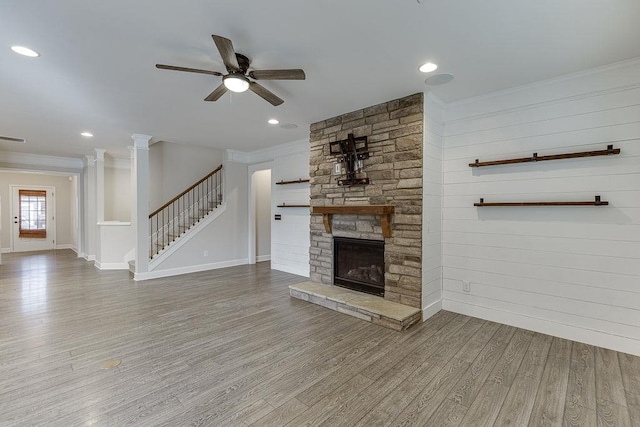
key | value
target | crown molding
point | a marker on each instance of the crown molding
(299, 146)
(28, 159)
(237, 156)
(439, 102)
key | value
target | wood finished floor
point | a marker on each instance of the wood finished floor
(230, 347)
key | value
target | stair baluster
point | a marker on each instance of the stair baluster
(182, 212)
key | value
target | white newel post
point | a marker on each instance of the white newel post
(140, 202)
(90, 213)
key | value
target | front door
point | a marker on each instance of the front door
(32, 218)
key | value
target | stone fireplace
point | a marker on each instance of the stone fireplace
(387, 210)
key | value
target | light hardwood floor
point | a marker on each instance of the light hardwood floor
(230, 347)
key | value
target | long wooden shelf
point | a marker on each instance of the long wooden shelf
(535, 158)
(284, 205)
(385, 212)
(596, 202)
(297, 181)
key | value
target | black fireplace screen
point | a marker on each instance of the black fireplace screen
(358, 264)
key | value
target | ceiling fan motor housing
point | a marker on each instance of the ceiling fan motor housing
(243, 62)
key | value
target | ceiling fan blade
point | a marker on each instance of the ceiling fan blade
(189, 70)
(228, 54)
(217, 93)
(294, 74)
(265, 94)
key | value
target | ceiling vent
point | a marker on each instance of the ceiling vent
(11, 139)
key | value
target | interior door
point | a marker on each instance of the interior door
(32, 219)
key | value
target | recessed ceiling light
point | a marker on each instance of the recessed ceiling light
(273, 121)
(25, 51)
(428, 67)
(87, 134)
(288, 126)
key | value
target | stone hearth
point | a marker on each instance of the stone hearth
(366, 307)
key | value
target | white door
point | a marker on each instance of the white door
(32, 218)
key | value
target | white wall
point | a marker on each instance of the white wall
(290, 239)
(572, 272)
(262, 202)
(116, 241)
(117, 194)
(175, 167)
(63, 194)
(432, 208)
(224, 240)
(0, 228)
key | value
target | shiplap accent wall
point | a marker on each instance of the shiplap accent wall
(572, 272)
(432, 209)
(290, 235)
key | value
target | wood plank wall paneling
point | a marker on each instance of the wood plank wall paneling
(432, 210)
(568, 271)
(290, 235)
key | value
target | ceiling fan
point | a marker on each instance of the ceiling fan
(236, 79)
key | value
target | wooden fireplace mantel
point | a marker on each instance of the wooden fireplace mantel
(384, 211)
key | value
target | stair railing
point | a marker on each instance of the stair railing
(179, 214)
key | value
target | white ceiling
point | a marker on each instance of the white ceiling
(96, 71)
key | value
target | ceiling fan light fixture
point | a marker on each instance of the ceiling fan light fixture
(236, 82)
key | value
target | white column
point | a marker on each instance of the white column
(100, 184)
(140, 202)
(99, 202)
(90, 211)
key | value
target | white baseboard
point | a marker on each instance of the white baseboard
(5, 250)
(300, 271)
(89, 257)
(261, 258)
(570, 332)
(431, 309)
(67, 246)
(111, 265)
(155, 274)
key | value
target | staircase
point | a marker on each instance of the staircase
(181, 213)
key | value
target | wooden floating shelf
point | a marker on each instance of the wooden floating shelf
(297, 181)
(385, 212)
(535, 158)
(293, 206)
(596, 202)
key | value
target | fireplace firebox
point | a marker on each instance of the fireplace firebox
(358, 264)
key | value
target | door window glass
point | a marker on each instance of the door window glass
(33, 214)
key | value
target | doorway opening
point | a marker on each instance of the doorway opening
(259, 213)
